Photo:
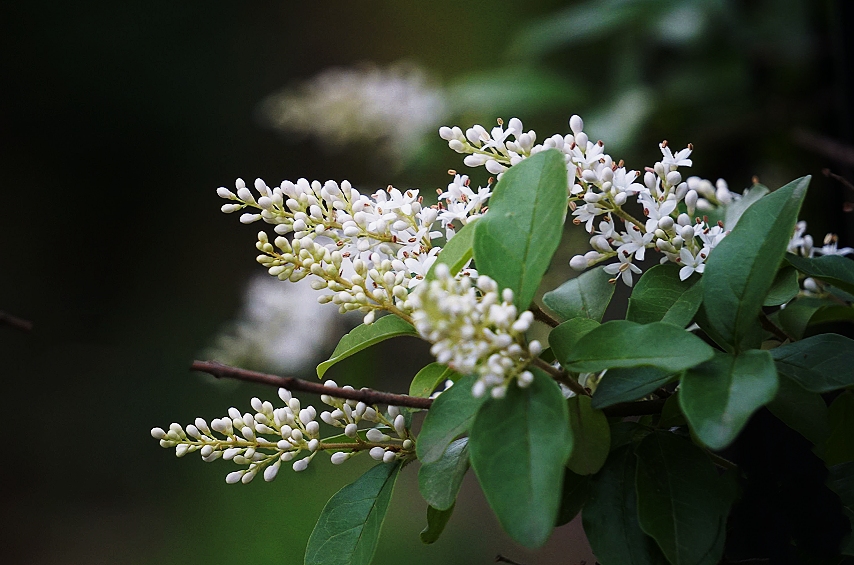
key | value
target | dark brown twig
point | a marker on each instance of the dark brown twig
(15, 322)
(845, 182)
(541, 316)
(770, 326)
(366, 395)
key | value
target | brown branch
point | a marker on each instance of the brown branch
(369, 396)
(845, 182)
(822, 145)
(15, 322)
(770, 326)
(541, 316)
(501, 559)
(561, 376)
(366, 395)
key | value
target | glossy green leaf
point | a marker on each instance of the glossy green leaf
(564, 337)
(719, 396)
(736, 209)
(585, 296)
(439, 481)
(742, 268)
(436, 522)
(591, 436)
(681, 501)
(456, 253)
(625, 385)
(349, 525)
(820, 363)
(364, 336)
(671, 413)
(832, 269)
(628, 432)
(621, 343)
(833, 313)
(610, 515)
(784, 288)
(660, 296)
(576, 491)
(803, 411)
(518, 448)
(796, 316)
(515, 242)
(429, 378)
(840, 444)
(449, 417)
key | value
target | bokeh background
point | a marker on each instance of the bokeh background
(118, 120)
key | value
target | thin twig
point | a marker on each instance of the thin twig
(560, 376)
(721, 462)
(15, 322)
(541, 316)
(770, 326)
(501, 559)
(366, 395)
(845, 182)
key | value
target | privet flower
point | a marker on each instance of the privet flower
(263, 440)
(475, 330)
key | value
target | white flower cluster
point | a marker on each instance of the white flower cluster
(802, 243)
(599, 187)
(474, 330)
(290, 431)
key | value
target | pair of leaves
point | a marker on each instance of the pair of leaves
(741, 270)
(349, 525)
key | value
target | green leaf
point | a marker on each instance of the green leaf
(625, 433)
(671, 413)
(564, 337)
(832, 269)
(518, 448)
(364, 336)
(436, 522)
(840, 479)
(349, 525)
(742, 267)
(735, 210)
(833, 313)
(803, 411)
(621, 343)
(719, 396)
(840, 444)
(784, 288)
(430, 377)
(585, 296)
(449, 417)
(439, 482)
(625, 385)
(660, 296)
(610, 516)
(681, 501)
(456, 253)
(796, 316)
(591, 436)
(576, 491)
(515, 242)
(821, 363)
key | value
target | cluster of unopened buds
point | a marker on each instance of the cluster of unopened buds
(270, 436)
(475, 330)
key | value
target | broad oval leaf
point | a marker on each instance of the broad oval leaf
(784, 288)
(439, 481)
(840, 444)
(620, 343)
(741, 269)
(428, 378)
(610, 515)
(365, 335)
(564, 337)
(833, 269)
(591, 436)
(682, 503)
(585, 296)
(660, 296)
(457, 251)
(515, 241)
(576, 491)
(349, 525)
(449, 417)
(796, 316)
(625, 385)
(820, 363)
(518, 448)
(803, 411)
(719, 396)
(436, 522)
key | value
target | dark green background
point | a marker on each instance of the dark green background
(119, 119)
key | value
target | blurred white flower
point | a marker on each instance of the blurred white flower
(281, 328)
(392, 109)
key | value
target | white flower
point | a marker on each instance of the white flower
(679, 160)
(691, 263)
(624, 268)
